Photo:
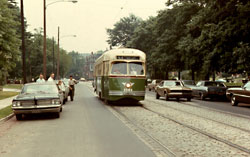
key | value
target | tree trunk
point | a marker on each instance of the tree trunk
(179, 75)
(193, 77)
(213, 76)
(167, 77)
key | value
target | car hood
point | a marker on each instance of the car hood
(37, 96)
(178, 88)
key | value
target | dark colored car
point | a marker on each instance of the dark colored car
(173, 89)
(239, 95)
(38, 98)
(209, 89)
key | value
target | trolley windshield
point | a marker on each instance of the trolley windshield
(124, 68)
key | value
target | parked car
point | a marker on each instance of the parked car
(38, 98)
(153, 84)
(209, 89)
(173, 89)
(239, 95)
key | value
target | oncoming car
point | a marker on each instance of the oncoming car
(173, 89)
(38, 98)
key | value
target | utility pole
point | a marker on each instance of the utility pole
(53, 50)
(58, 54)
(23, 44)
(44, 39)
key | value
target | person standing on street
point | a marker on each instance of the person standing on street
(71, 88)
(40, 79)
(51, 78)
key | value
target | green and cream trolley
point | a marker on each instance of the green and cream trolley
(120, 74)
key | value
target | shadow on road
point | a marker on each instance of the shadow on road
(41, 116)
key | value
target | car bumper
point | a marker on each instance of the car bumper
(36, 109)
(180, 95)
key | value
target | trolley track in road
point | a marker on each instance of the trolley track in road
(163, 147)
(242, 129)
(200, 131)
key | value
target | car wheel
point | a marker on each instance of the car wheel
(188, 99)
(166, 96)
(61, 109)
(178, 99)
(202, 96)
(149, 89)
(157, 96)
(19, 116)
(57, 114)
(234, 102)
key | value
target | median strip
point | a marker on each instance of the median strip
(6, 113)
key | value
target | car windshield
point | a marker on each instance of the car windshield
(172, 83)
(40, 88)
(247, 85)
(134, 68)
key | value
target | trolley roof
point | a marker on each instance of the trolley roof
(114, 53)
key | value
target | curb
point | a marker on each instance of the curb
(7, 118)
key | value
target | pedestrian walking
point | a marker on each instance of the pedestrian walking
(51, 78)
(71, 88)
(40, 79)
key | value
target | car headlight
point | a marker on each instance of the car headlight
(16, 103)
(55, 101)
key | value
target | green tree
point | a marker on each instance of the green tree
(123, 30)
(9, 40)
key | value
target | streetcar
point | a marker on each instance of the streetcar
(120, 74)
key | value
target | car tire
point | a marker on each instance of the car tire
(234, 102)
(178, 99)
(166, 96)
(57, 114)
(149, 89)
(19, 116)
(202, 96)
(61, 109)
(188, 99)
(157, 96)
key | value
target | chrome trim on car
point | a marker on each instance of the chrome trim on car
(246, 96)
(123, 93)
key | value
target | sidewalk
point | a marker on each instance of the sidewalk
(8, 101)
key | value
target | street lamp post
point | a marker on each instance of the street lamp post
(23, 45)
(58, 52)
(44, 30)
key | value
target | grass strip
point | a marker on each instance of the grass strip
(5, 112)
(13, 86)
(7, 94)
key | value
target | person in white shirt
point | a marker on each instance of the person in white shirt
(71, 88)
(51, 78)
(40, 79)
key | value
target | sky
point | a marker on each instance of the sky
(87, 19)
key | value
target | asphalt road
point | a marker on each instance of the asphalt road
(86, 128)
(217, 104)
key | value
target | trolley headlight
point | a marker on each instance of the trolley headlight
(55, 101)
(16, 103)
(128, 85)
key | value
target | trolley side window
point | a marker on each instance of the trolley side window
(119, 68)
(136, 68)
